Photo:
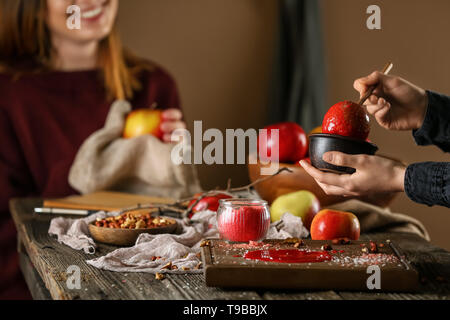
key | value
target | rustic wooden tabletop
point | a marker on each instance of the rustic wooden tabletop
(44, 263)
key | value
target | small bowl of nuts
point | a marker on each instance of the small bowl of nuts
(124, 229)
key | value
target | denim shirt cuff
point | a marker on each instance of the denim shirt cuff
(426, 183)
(420, 135)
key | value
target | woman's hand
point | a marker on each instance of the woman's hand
(373, 174)
(172, 120)
(396, 104)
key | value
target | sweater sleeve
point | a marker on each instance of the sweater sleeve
(15, 179)
(428, 183)
(436, 125)
(14, 182)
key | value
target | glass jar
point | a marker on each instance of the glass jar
(243, 220)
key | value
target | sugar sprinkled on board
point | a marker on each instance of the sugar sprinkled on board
(367, 259)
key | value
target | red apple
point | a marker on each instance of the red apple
(332, 224)
(348, 119)
(292, 142)
(208, 202)
(143, 121)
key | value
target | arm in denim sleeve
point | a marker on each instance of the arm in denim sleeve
(436, 125)
(428, 183)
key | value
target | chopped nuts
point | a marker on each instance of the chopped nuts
(128, 220)
(185, 268)
(341, 241)
(298, 244)
(205, 243)
(167, 266)
(291, 240)
(174, 267)
(365, 250)
(326, 247)
(140, 224)
(159, 276)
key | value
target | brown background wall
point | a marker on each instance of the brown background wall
(415, 37)
(221, 51)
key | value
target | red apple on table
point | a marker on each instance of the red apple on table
(292, 142)
(143, 121)
(332, 224)
(347, 119)
(207, 203)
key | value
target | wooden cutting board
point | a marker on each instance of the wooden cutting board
(104, 200)
(225, 266)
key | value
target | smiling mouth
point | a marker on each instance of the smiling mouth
(93, 13)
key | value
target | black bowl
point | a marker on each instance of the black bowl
(320, 143)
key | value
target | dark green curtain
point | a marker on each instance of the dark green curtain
(298, 91)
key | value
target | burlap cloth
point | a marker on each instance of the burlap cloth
(376, 219)
(141, 165)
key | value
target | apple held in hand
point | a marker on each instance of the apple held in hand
(143, 121)
(332, 224)
(292, 142)
(303, 204)
(348, 119)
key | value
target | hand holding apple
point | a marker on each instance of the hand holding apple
(172, 119)
(160, 123)
(332, 224)
(374, 174)
(396, 103)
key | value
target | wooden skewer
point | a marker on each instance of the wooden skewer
(387, 68)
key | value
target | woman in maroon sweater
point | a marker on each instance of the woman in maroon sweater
(56, 87)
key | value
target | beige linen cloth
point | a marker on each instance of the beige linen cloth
(182, 247)
(141, 165)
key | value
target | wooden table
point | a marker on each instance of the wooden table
(44, 263)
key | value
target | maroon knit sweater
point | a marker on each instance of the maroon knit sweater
(44, 118)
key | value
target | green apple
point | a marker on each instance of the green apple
(303, 204)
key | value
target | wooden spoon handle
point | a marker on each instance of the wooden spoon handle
(387, 68)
